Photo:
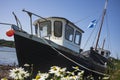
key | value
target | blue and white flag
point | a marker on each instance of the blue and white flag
(92, 23)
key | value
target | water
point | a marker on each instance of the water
(8, 56)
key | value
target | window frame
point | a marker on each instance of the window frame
(61, 27)
(76, 37)
(49, 27)
(66, 34)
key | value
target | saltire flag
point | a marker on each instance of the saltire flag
(92, 23)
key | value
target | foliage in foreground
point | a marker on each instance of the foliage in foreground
(115, 75)
(55, 73)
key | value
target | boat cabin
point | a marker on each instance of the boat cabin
(60, 31)
(103, 52)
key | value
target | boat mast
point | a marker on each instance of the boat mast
(104, 12)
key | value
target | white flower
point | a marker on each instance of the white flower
(18, 73)
(70, 73)
(70, 78)
(80, 73)
(63, 70)
(54, 69)
(26, 65)
(65, 78)
(44, 76)
(41, 76)
(76, 68)
(4, 79)
(74, 77)
(59, 72)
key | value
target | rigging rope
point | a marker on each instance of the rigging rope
(88, 39)
(81, 20)
(71, 59)
(91, 36)
(108, 33)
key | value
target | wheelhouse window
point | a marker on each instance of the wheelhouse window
(69, 32)
(45, 28)
(77, 37)
(58, 28)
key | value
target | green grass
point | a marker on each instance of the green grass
(115, 74)
(7, 43)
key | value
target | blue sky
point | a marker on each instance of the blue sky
(81, 12)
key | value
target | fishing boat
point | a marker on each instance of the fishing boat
(100, 55)
(56, 41)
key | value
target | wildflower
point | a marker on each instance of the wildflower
(76, 68)
(26, 65)
(70, 73)
(65, 78)
(80, 73)
(18, 73)
(74, 78)
(70, 78)
(57, 71)
(54, 69)
(4, 79)
(41, 76)
(62, 72)
(44, 76)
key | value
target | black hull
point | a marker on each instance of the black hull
(43, 56)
